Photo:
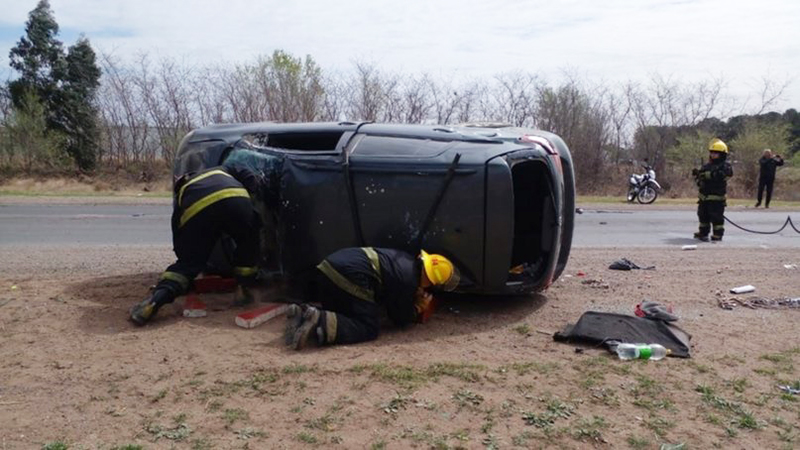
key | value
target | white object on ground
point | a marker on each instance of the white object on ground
(689, 247)
(743, 289)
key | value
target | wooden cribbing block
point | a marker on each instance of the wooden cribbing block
(194, 307)
(255, 317)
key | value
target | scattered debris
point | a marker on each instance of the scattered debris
(579, 210)
(689, 247)
(627, 264)
(790, 266)
(580, 274)
(681, 446)
(655, 311)
(759, 302)
(596, 283)
(789, 390)
(14, 287)
(743, 289)
(5, 302)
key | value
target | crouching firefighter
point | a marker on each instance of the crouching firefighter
(207, 204)
(354, 286)
(712, 181)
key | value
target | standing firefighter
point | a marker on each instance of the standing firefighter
(355, 284)
(712, 181)
(206, 205)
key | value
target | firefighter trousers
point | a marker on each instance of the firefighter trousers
(346, 319)
(711, 214)
(195, 240)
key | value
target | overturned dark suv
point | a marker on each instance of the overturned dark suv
(498, 201)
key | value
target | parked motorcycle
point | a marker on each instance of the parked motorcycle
(644, 187)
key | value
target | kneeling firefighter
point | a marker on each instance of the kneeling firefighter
(206, 205)
(355, 284)
(712, 181)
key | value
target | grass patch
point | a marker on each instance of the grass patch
(307, 438)
(638, 443)
(234, 415)
(658, 425)
(590, 429)
(249, 433)
(523, 329)
(297, 369)
(734, 412)
(161, 394)
(554, 410)
(465, 398)
(408, 376)
(128, 447)
(522, 369)
(55, 445)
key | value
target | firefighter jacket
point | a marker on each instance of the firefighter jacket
(712, 179)
(386, 276)
(195, 192)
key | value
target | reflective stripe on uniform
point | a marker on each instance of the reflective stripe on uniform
(719, 227)
(711, 197)
(211, 199)
(330, 327)
(374, 261)
(176, 277)
(344, 284)
(198, 178)
(245, 271)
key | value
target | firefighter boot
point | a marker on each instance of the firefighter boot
(701, 237)
(308, 324)
(243, 296)
(142, 313)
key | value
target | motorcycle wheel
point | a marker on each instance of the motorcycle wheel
(631, 195)
(647, 195)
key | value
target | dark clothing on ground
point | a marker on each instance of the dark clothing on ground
(206, 205)
(766, 178)
(712, 183)
(354, 285)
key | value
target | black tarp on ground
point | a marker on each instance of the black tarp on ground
(596, 328)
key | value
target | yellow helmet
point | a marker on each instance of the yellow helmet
(440, 271)
(716, 145)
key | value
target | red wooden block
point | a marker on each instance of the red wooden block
(255, 317)
(194, 307)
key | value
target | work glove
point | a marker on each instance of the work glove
(424, 305)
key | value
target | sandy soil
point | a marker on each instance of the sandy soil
(481, 374)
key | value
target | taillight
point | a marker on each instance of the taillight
(547, 146)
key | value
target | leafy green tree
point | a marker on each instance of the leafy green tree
(747, 148)
(76, 114)
(65, 84)
(27, 142)
(38, 57)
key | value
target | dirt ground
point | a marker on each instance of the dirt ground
(480, 374)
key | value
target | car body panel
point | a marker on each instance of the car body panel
(509, 201)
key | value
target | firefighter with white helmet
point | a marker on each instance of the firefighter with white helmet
(354, 285)
(712, 181)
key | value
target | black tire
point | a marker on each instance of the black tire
(647, 195)
(631, 195)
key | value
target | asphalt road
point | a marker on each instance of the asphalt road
(108, 224)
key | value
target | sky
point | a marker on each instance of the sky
(741, 42)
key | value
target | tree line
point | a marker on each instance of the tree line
(77, 109)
